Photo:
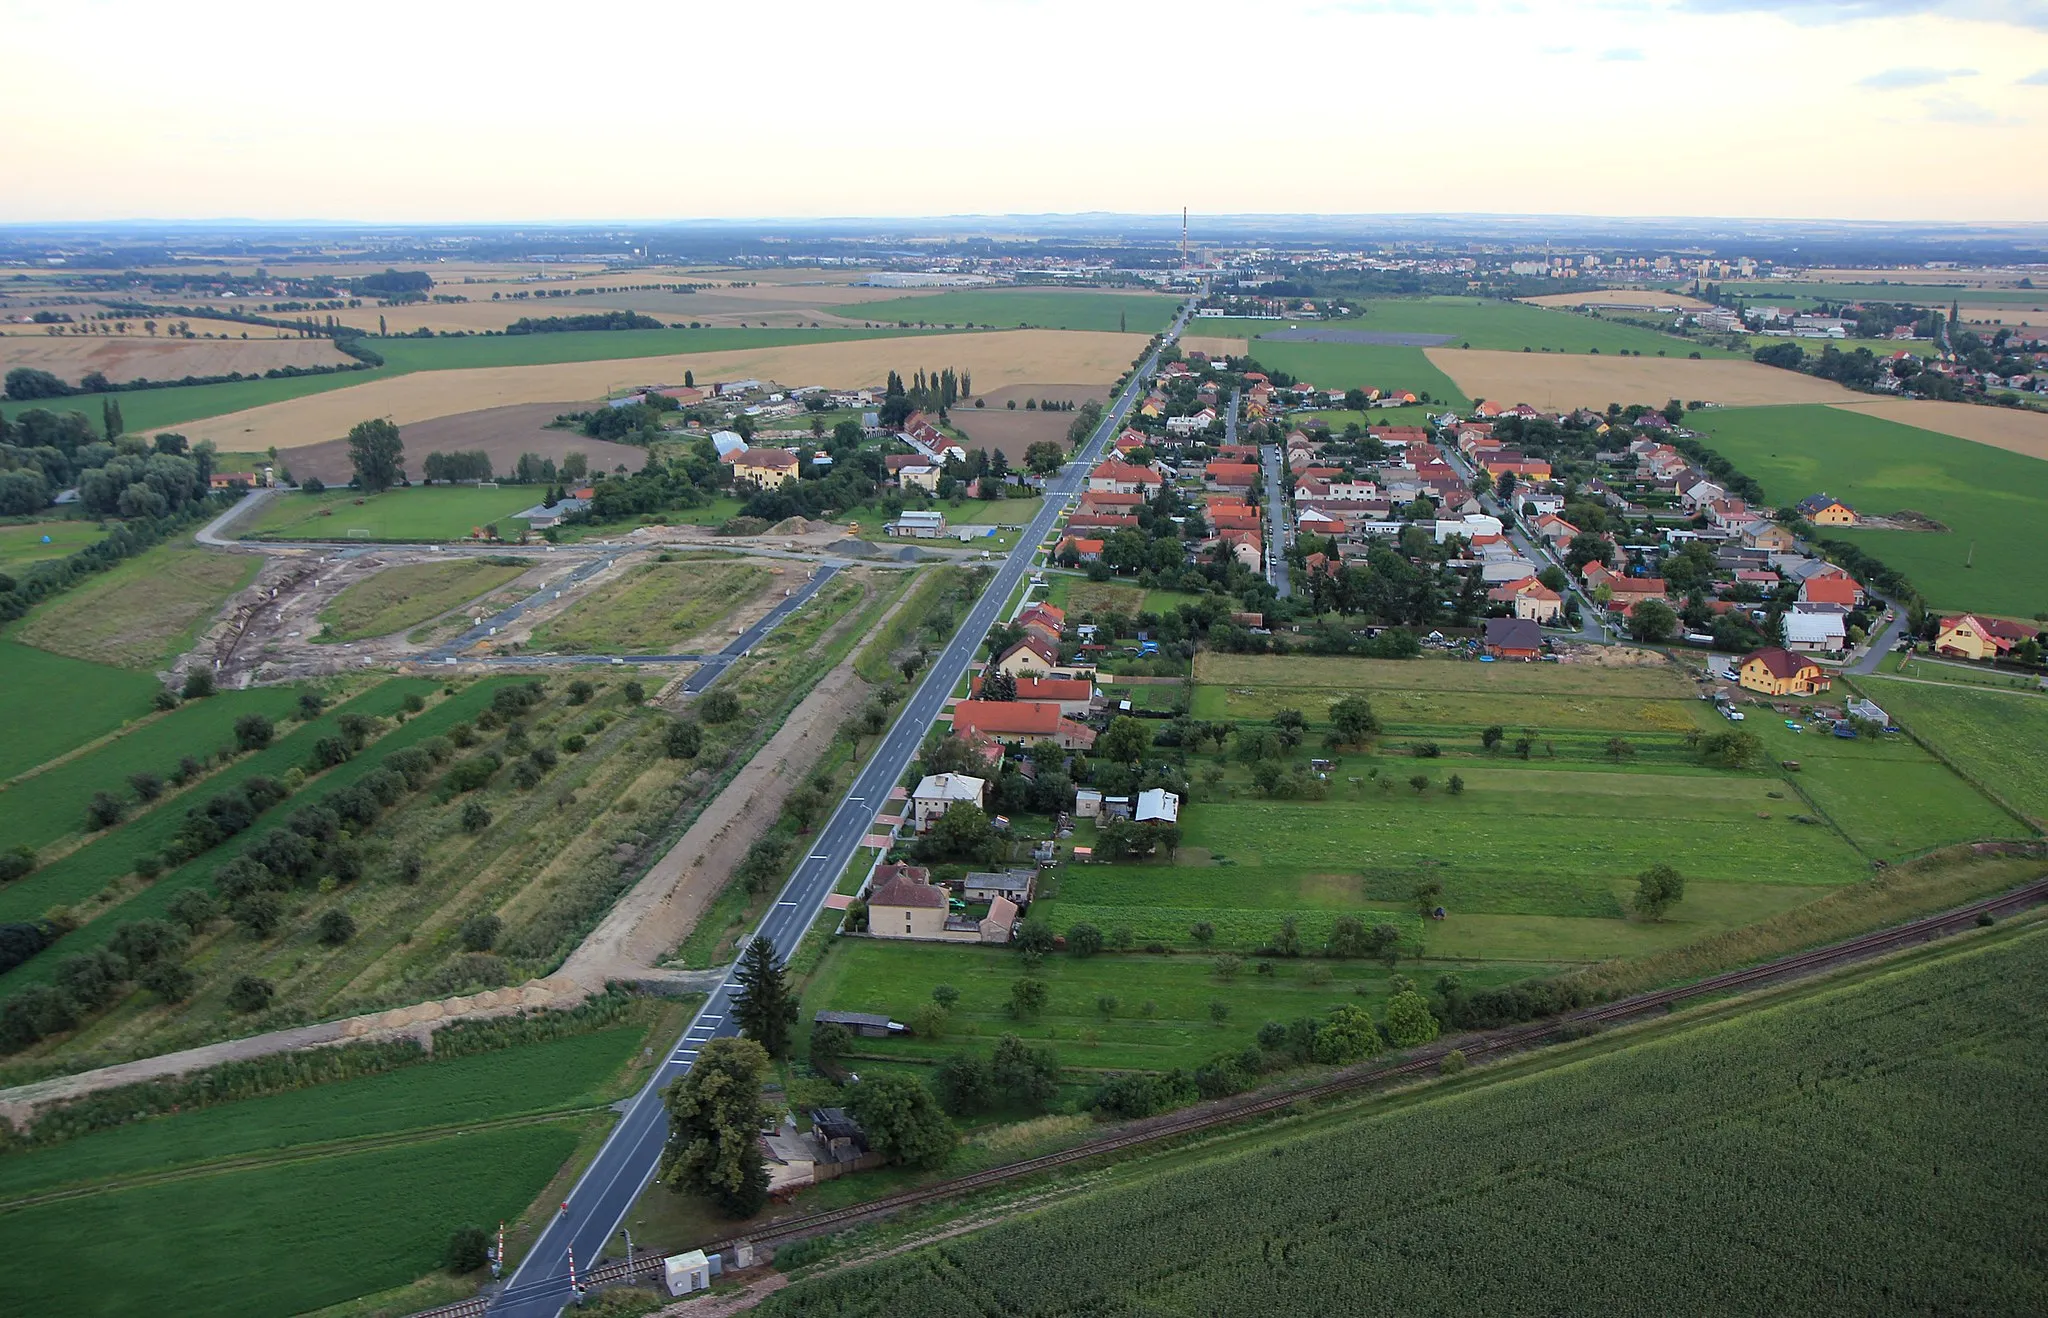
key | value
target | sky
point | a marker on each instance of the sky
(616, 109)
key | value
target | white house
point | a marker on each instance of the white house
(1469, 526)
(938, 792)
(1811, 627)
(1158, 806)
(917, 525)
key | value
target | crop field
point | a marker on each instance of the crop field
(39, 810)
(1558, 383)
(1920, 295)
(135, 357)
(405, 596)
(419, 513)
(1999, 739)
(1873, 1148)
(994, 359)
(1137, 313)
(1514, 326)
(21, 543)
(1994, 502)
(1161, 1018)
(1613, 297)
(659, 608)
(1361, 366)
(144, 612)
(57, 703)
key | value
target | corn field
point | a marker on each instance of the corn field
(1878, 1148)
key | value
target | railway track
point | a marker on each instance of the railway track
(1225, 1112)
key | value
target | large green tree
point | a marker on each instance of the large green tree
(1409, 1021)
(1125, 741)
(1658, 889)
(765, 1007)
(377, 454)
(715, 1115)
(902, 1120)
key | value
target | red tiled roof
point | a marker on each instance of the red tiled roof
(1780, 663)
(1015, 718)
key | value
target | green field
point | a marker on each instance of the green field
(655, 607)
(416, 513)
(51, 805)
(1938, 296)
(1512, 326)
(1360, 366)
(405, 596)
(291, 1201)
(1078, 309)
(155, 409)
(1875, 1148)
(56, 703)
(21, 543)
(142, 613)
(1994, 502)
(1998, 738)
(876, 975)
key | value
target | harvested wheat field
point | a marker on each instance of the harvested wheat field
(1215, 345)
(2008, 428)
(996, 359)
(131, 358)
(1558, 381)
(1618, 297)
(1011, 432)
(502, 432)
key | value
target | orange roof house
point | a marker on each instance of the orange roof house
(1021, 721)
(1831, 590)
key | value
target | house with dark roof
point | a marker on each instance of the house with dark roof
(1513, 638)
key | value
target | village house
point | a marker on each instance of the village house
(1085, 549)
(917, 525)
(1124, 478)
(765, 468)
(1229, 476)
(922, 476)
(1513, 638)
(1021, 722)
(1829, 590)
(939, 792)
(1824, 510)
(908, 905)
(1045, 620)
(1073, 695)
(1816, 627)
(1773, 671)
(1969, 636)
(1530, 599)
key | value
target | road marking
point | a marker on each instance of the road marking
(785, 903)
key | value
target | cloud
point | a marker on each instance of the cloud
(1621, 54)
(1901, 79)
(2038, 78)
(1961, 110)
(2011, 13)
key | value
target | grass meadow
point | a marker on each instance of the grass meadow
(405, 596)
(21, 543)
(1994, 503)
(144, 612)
(420, 512)
(56, 703)
(1514, 326)
(50, 805)
(1998, 738)
(1035, 308)
(1360, 366)
(1938, 296)
(654, 608)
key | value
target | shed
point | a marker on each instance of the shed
(864, 1024)
(686, 1273)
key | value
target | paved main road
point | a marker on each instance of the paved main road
(598, 1204)
(1274, 469)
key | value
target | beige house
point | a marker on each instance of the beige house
(939, 792)
(765, 467)
(904, 903)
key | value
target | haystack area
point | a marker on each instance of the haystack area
(502, 432)
(2000, 427)
(133, 357)
(1557, 381)
(996, 359)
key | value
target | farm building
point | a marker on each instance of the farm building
(1012, 885)
(1772, 671)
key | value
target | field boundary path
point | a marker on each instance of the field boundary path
(601, 1197)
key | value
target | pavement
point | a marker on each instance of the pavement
(623, 1167)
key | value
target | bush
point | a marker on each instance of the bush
(479, 933)
(103, 811)
(683, 740)
(334, 927)
(260, 913)
(148, 865)
(253, 732)
(475, 817)
(146, 785)
(467, 1250)
(171, 981)
(574, 743)
(1084, 940)
(251, 993)
(16, 863)
(198, 684)
(718, 707)
(580, 692)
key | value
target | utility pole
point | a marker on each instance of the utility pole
(629, 1252)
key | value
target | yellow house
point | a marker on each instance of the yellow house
(1823, 510)
(1775, 672)
(1972, 637)
(765, 467)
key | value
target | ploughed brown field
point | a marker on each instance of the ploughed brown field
(997, 427)
(136, 357)
(502, 432)
(995, 359)
(1557, 381)
(1215, 345)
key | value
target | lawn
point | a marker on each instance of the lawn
(1871, 1148)
(142, 613)
(57, 703)
(51, 805)
(1999, 739)
(864, 974)
(22, 543)
(1079, 309)
(655, 608)
(401, 597)
(1993, 557)
(283, 1239)
(420, 512)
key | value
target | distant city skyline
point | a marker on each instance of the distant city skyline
(1869, 109)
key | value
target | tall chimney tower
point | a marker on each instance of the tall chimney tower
(1183, 237)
